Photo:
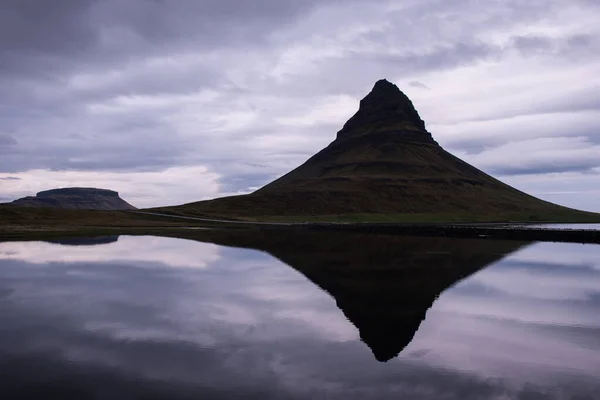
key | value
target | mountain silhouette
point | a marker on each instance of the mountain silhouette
(75, 198)
(86, 241)
(383, 284)
(383, 161)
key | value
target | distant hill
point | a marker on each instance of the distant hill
(75, 198)
(384, 161)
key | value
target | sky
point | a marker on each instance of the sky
(172, 101)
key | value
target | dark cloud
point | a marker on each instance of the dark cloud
(7, 140)
(243, 182)
(132, 153)
(107, 85)
(41, 39)
(573, 103)
(30, 26)
(32, 32)
(564, 45)
(419, 85)
(533, 43)
(49, 49)
(442, 57)
(547, 167)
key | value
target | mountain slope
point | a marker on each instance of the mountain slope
(75, 199)
(383, 161)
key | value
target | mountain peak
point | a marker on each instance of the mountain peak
(386, 109)
(384, 163)
(384, 84)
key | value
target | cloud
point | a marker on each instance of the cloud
(575, 189)
(142, 189)
(419, 85)
(154, 251)
(7, 140)
(540, 156)
(100, 321)
(532, 43)
(153, 86)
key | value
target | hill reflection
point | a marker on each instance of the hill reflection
(383, 284)
(87, 241)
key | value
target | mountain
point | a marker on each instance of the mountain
(75, 198)
(383, 161)
(384, 284)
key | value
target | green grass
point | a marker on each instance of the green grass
(556, 217)
(447, 218)
(16, 223)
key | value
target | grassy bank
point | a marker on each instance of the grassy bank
(16, 222)
(28, 223)
(562, 216)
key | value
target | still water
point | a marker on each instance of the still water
(583, 227)
(311, 317)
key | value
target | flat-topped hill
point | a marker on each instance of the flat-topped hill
(75, 198)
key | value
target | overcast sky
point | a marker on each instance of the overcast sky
(171, 101)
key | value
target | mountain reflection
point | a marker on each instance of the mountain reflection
(383, 284)
(146, 250)
(86, 241)
(218, 314)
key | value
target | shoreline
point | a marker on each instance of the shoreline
(487, 232)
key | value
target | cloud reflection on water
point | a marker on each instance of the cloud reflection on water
(176, 253)
(534, 317)
(240, 322)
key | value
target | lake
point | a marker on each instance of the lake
(259, 315)
(583, 227)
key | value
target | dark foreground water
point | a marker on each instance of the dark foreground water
(162, 318)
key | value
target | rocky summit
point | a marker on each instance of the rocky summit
(383, 161)
(75, 198)
(386, 109)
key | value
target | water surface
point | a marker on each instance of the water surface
(304, 317)
(586, 227)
